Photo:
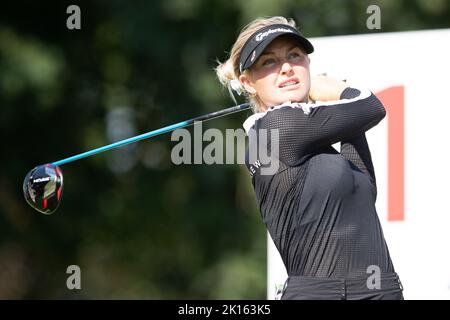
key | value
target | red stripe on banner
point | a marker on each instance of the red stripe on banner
(394, 102)
(45, 203)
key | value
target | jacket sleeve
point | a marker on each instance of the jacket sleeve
(304, 129)
(356, 149)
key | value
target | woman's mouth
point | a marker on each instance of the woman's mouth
(290, 83)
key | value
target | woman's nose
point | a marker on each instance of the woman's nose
(286, 67)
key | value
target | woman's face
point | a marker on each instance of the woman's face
(280, 74)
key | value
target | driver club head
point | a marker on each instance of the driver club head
(43, 187)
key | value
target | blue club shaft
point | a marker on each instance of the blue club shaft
(153, 133)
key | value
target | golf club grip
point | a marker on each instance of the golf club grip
(220, 113)
(153, 133)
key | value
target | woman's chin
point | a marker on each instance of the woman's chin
(296, 98)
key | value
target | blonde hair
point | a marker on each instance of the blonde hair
(228, 71)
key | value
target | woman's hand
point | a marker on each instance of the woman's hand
(324, 88)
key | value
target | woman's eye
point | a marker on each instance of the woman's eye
(294, 56)
(268, 62)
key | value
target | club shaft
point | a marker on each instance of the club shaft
(209, 116)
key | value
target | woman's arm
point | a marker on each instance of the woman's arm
(324, 88)
(356, 149)
(304, 129)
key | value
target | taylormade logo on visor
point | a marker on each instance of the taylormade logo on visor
(262, 35)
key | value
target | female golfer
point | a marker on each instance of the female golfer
(319, 205)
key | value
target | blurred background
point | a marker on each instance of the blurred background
(138, 226)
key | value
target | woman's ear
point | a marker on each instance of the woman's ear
(247, 84)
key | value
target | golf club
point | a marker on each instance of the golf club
(43, 185)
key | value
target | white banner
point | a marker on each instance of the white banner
(409, 72)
